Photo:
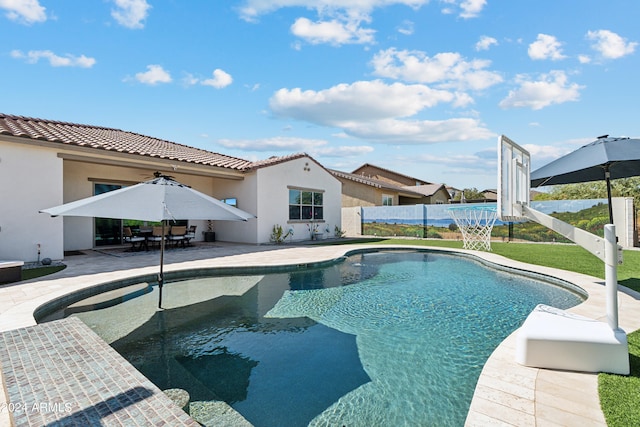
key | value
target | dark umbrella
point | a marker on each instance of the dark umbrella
(605, 158)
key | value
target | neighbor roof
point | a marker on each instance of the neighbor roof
(115, 140)
(426, 189)
(408, 191)
(369, 165)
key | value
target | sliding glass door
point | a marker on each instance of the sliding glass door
(107, 231)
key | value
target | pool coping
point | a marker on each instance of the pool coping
(506, 393)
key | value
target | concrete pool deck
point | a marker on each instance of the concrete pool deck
(506, 393)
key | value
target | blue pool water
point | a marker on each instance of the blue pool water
(384, 338)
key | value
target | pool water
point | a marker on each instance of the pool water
(384, 338)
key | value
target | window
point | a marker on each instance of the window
(387, 200)
(231, 201)
(305, 205)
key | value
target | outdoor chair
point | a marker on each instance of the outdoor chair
(128, 237)
(191, 234)
(156, 236)
(177, 235)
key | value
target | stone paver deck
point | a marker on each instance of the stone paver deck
(61, 373)
(506, 393)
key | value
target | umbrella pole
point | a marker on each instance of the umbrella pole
(161, 275)
(607, 178)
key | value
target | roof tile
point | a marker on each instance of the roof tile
(114, 140)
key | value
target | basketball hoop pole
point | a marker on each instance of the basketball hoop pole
(611, 274)
(557, 339)
(605, 249)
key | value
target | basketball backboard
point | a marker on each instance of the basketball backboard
(513, 180)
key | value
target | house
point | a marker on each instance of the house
(371, 185)
(389, 176)
(45, 163)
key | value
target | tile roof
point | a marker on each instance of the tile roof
(114, 140)
(375, 182)
(365, 165)
(426, 189)
(274, 160)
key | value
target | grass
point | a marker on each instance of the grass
(619, 395)
(32, 273)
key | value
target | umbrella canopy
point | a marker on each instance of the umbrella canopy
(606, 158)
(160, 199)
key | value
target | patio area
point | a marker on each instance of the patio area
(506, 394)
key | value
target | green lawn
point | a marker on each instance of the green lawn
(32, 273)
(619, 395)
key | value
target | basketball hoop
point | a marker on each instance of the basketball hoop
(475, 223)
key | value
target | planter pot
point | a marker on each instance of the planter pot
(209, 236)
(317, 236)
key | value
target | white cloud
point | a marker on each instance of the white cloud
(33, 56)
(485, 43)
(462, 164)
(420, 131)
(471, 8)
(406, 28)
(130, 13)
(551, 88)
(584, 59)
(220, 79)
(24, 11)
(253, 9)
(543, 154)
(356, 102)
(610, 45)
(155, 74)
(339, 21)
(190, 80)
(546, 47)
(315, 147)
(333, 32)
(468, 8)
(447, 70)
(377, 111)
(344, 151)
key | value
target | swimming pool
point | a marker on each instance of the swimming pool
(380, 338)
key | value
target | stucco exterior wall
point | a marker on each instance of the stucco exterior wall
(245, 193)
(36, 177)
(79, 180)
(356, 194)
(273, 185)
(30, 180)
(441, 196)
(352, 221)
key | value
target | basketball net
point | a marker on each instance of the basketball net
(475, 224)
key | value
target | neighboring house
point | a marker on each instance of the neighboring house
(490, 195)
(364, 189)
(487, 196)
(46, 163)
(385, 175)
(454, 192)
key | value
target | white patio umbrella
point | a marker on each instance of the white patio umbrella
(160, 199)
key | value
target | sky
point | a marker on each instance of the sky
(422, 87)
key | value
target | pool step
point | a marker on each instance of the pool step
(109, 299)
(205, 407)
